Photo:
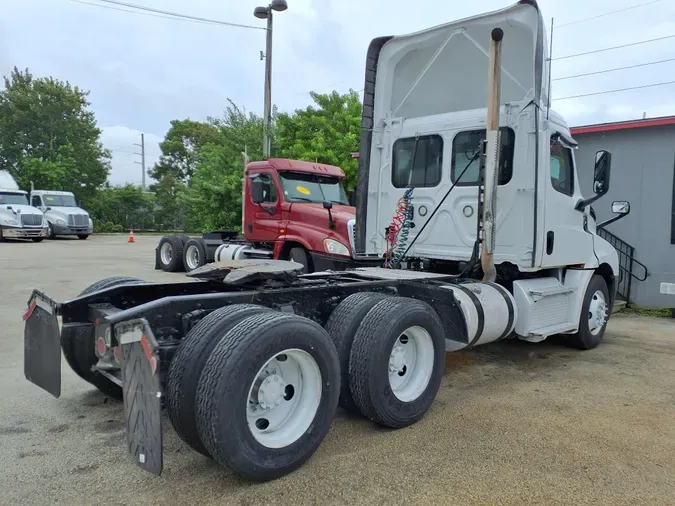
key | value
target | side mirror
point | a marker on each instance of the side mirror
(351, 196)
(603, 165)
(48, 209)
(328, 205)
(621, 208)
(257, 191)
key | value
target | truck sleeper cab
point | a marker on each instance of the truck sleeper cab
(63, 213)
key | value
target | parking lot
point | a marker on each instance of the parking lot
(514, 423)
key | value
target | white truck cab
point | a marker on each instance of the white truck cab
(18, 220)
(64, 215)
(438, 104)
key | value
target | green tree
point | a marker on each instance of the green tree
(169, 212)
(328, 133)
(125, 206)
(181, 146)
(48, 135)
(212, 200)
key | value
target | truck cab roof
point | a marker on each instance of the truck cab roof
(52, 192)
(285, 164)
(12, 190)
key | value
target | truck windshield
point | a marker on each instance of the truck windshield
(13, 198)
(305, 187)
(59, 200)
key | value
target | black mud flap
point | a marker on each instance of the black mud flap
(41, 344)
(141, 387)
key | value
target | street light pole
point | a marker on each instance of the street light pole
(266, 13)
(268, 89)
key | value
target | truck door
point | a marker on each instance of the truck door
(262, 221)
(566, 240)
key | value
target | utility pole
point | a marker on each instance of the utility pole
(266, 13)
(142, 162)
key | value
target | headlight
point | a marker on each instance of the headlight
(335, 248)
(60, 222)
(91, 223)
(44, 222)
(10, 222)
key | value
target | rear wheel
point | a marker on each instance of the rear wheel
(342, 326)
(397, 361)
(79, 345)
(188, 363)
(299, 255)
(594, 316)
(194, 254)
(267, 395)
(171, 253)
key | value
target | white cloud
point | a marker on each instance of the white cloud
(122, 141)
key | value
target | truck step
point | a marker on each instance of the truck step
(619, 305)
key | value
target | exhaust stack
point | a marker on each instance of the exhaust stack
(492, 156)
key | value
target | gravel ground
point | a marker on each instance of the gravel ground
(514, 423)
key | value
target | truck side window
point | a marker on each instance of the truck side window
(36, 202)
(562, 168)
(467, 144)
(424, 170)
(269, 190)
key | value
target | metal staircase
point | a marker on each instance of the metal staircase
(629, 267)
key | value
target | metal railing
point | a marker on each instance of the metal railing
(627, 264)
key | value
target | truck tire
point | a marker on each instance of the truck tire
(268, 394)
(188, 362)
(594, 316)
(184, 238)
(397, 361)
(299, 255)
(83, 237)
(194, 254)
(50, 231)
(38, 239)
(171, 253)
(342, 326)
(79, 346)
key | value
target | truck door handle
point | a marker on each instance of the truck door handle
(550, 238)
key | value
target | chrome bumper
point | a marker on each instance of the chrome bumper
(24, 233)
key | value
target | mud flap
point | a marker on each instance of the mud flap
(41, 344)
(142, 394)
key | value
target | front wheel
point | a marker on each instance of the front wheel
(299, 256)
(51, 234)
(267, 395)
(82, 237)
(38, 239)
(594, 315)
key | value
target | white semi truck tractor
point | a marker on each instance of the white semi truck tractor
(63, 213)
(468, 198)
(18, 219)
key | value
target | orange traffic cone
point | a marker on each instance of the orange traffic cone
(131, 236)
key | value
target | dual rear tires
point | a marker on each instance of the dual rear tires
(171, 253)
(257, 389)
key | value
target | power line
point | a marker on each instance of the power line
(169, 14)
(608, 13)
(614, 47)
(616, 91)
(135, 12)
(614, 70)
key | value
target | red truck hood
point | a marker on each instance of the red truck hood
(313, 216)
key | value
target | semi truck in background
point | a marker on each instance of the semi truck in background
(18, 219)
(467, 187)
(63, 214)
(291, 210)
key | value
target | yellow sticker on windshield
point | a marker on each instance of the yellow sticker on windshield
(303, 190)
(49, 198)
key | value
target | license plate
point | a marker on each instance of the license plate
(142, 393)
(42, 346)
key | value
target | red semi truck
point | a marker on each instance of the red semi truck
(291, 210)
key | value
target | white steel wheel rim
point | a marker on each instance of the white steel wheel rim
(165, 253)
(192, 257)
(597, 312)
(284, 398)
(411, 363)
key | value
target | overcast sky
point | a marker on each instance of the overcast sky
(143, 71)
